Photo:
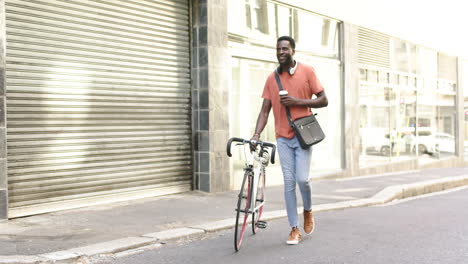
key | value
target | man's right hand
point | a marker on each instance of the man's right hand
(255, 137)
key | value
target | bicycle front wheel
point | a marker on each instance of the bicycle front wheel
(259, 201)
(243, 204)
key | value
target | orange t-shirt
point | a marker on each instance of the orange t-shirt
(302, 84)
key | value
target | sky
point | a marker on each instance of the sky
(434, 24)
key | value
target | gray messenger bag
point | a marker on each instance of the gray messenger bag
(307, 129)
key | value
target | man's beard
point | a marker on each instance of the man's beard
(287, 62)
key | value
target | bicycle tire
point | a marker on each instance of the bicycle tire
(242, 214)
(257, 216)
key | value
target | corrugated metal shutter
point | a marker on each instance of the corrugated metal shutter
(98, 101)
(373, 48)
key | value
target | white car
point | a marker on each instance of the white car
(427, 142)
(438, 142)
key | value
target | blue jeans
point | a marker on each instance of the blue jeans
(295, 163)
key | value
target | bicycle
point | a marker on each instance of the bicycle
(253, 185)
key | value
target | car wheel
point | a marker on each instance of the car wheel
(422, 150)
(385, 151)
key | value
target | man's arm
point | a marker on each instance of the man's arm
(320, 101)
(262, 119)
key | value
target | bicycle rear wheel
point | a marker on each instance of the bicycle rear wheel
(242, 214)
(257, 215)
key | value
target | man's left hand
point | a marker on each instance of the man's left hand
(289, 100)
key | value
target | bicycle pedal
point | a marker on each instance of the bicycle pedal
(261, 224)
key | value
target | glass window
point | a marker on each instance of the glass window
(237, 17)
(387, 125)
(394, 78)
(330, 117)
(414, 59)
(265, 21)
(284, 21)
(428, 63)
(383, 77)
(251, 18)
(372, 76)
(307, 39)
(257, 15)
(436, 117)
(402, 110)
(446, 110)
(400, 58)
(248, 80)
(363, 74)
(463, 73)
(447, 67)
(404, 56)
(374, 124)
(412, 82)
(416, 114)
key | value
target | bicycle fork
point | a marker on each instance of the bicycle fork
(255, 182)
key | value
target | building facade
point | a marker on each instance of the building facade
(106, 101)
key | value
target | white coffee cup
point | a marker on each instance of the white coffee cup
(283, 93)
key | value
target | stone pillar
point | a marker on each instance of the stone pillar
(351, 95)
(3, 151)
(210, 68)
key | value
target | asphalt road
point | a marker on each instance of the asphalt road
(432, 229)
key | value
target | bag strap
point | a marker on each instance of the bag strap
(280, 86)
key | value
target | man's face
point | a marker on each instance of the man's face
(284, 52)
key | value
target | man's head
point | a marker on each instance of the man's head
(285, 49)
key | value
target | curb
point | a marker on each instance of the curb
(82, 255)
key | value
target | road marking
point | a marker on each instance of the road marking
(422, 196)
(377, 175)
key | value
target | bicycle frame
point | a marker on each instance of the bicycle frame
(251, 164)
(256, 177)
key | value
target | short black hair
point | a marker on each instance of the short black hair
(288, 38)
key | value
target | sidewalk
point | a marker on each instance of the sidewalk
(107, 229)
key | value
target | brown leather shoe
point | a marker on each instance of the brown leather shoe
(294, 237)
(309, 223)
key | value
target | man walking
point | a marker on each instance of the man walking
(301, 83)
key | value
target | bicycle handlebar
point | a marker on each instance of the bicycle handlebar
(244, 141)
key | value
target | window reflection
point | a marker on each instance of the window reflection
(417, 105)
(404, 117)
(405, 57)
(257, 15)
(326, 42)
(463, 72)
(248, 80)
(375, 146)
(284, 22)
